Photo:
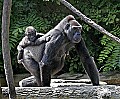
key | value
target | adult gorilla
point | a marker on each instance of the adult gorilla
(47, 59)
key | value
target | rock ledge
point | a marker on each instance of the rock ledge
(67, 90)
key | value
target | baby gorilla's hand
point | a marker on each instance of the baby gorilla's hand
(47, 38)
(20, 61)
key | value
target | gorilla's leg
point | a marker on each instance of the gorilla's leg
(33, 67)
(58, 65)
(88, 62)
(46, 74)
(51, 68)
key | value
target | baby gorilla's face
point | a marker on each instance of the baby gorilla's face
(31, 34)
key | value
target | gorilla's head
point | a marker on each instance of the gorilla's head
(30, 32)
(73, 31)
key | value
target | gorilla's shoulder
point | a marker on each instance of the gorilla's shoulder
(54, 32)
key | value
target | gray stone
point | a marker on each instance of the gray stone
(71, 92)
(31, 82)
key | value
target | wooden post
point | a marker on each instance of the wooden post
(6, 48)
(89, 21)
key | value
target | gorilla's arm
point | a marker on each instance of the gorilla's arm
(51, 48)
(39, 34)
(88, 62)
(23, 43)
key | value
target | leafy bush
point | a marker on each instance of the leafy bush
(19, 22)
(24, 13)
(45, 15)
(110, 55)
(105, 13)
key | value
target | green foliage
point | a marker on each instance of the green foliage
(19, 21)
(25, 13)
(57, 1)
(105, 13)
(74, 63)
(110, 55)
(17, 31)
(45, 15)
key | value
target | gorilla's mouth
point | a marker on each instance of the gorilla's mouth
(76, 37)
(32, 38)
(76, 40)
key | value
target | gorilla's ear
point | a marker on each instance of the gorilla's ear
(67, 26)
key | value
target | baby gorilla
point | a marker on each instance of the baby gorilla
(31, 36)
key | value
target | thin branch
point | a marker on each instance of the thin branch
(89, 21)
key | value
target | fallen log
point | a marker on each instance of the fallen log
(89, 21)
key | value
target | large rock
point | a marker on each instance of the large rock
(110, 78)
(31, 82)
(71, 92)
(65, 89)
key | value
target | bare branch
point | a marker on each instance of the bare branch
(89, 21)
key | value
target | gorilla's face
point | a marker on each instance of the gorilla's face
(31, 34)
(73, 33)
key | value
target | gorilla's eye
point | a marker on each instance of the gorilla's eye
(78, 28)
(67, 26)
(75, 30)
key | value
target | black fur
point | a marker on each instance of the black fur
(51, 55)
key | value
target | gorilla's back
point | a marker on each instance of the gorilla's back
(34, 52)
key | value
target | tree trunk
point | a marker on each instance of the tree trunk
(6, 49)
(89, 21)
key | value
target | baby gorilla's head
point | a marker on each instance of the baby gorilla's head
(30, 32)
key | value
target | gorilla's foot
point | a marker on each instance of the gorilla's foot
(28, 82)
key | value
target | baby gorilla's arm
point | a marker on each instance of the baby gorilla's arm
(42, 40)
